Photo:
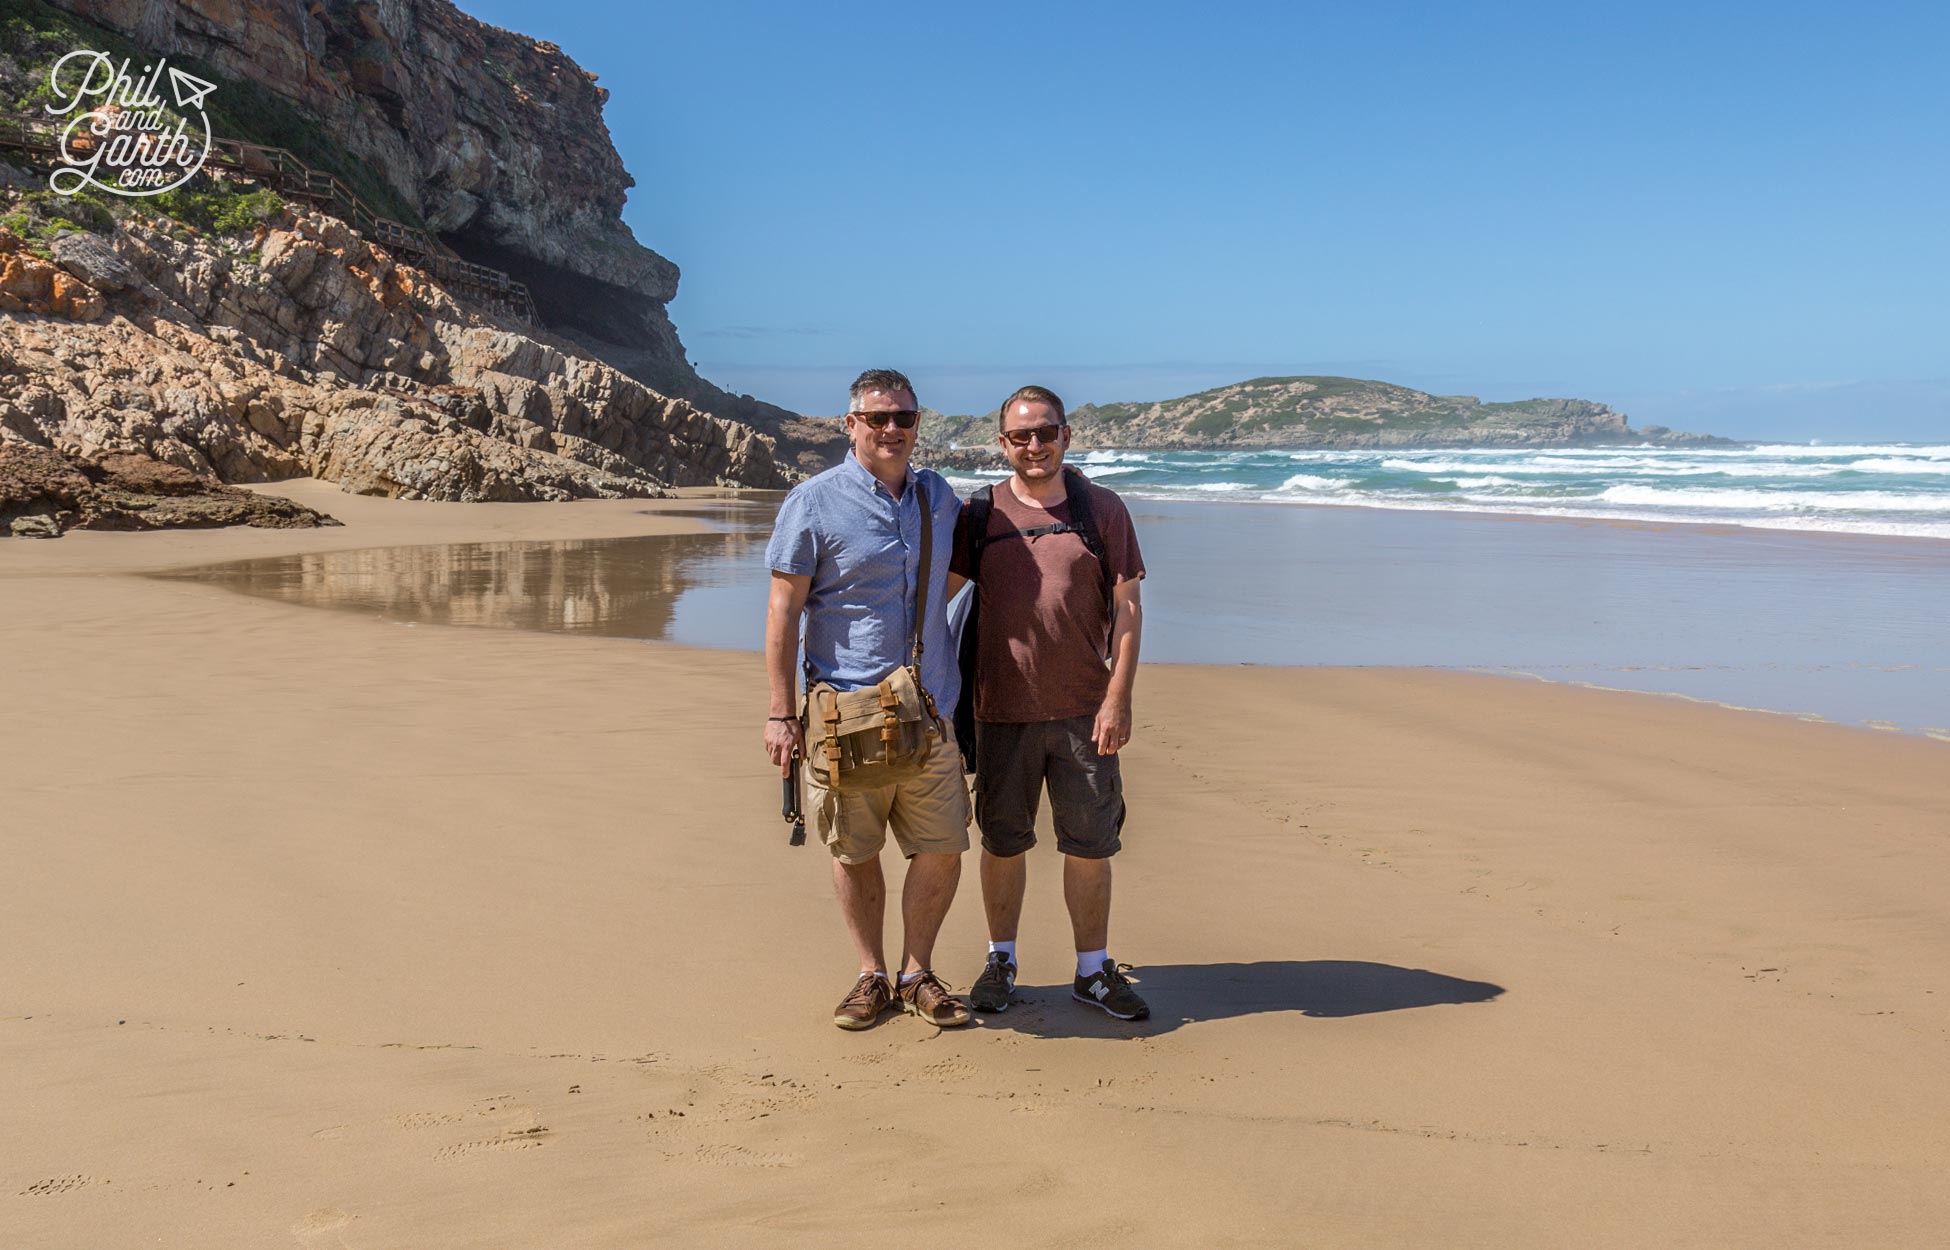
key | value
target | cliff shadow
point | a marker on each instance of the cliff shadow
(1182, 994)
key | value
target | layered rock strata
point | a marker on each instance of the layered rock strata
(309, 351)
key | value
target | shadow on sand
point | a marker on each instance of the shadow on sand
(1181, 994)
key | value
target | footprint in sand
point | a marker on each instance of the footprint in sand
(739, 1157)
(950, 1070)
(769, 1102)
(428, 1119)
(520, 1126)
(323, 1220)
(526, 1139)
(56, 1185)
(326, 1227)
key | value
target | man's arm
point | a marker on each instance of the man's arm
(783, 608)
(1113, 727)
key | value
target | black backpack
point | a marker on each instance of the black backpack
(981, 506)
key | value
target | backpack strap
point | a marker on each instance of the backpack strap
(981, 505)
(1076, 492)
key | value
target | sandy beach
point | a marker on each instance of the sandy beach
(321, 930)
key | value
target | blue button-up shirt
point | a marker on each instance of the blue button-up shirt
(862, 549)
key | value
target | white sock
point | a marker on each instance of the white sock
(1007, 948)
(1090, 963)
(911, 976)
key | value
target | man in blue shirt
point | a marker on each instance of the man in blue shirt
(845, 553)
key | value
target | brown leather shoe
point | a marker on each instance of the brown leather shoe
(929, 999)
(863, 1004)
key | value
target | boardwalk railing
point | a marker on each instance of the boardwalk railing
(280, 169)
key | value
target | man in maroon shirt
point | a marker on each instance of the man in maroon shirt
(1057, 599)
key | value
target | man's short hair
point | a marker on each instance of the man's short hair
(889, 380)
(1035, 394)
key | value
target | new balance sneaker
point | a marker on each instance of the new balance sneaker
(998, 980)
(926, 997)
(1110, 989)
(863, 1004)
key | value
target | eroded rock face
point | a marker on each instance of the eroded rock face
(495, 138)
(30, 284)
(44, 493)
(480, 129)
(317, 354)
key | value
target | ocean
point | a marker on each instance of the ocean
(1896, 489)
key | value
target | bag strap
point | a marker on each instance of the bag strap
(921, 583)
(831, 715)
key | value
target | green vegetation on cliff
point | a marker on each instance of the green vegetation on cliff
(34, 35)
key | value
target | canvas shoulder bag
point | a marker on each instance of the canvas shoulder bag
(882, 734)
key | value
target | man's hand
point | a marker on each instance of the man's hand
(783, 606)
(1113, 727)
(782, 739)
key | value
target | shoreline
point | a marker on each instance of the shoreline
(380, 532)
(412, 936)
(601, 522)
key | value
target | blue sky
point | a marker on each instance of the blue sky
(1729, 220)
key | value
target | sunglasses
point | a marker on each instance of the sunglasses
(1045, 434)
(903, 419)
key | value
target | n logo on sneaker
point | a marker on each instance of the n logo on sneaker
(1100, 991)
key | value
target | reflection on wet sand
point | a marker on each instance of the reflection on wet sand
(1822, 626)
(627, 587)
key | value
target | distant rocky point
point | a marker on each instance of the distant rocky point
(1328, 412)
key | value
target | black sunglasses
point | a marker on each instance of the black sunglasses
(904, 419)
(1045, 434)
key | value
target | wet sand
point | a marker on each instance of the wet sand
(1836, 627)
(328, 930)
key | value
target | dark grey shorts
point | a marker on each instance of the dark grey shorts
(1086, 792)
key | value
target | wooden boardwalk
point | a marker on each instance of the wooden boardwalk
(279, 169)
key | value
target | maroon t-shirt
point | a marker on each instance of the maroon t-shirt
(1045, 611)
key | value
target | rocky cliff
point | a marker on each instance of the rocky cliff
(1337, 412)
(494, 141)
(302, 349)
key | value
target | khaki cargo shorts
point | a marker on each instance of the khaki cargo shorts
(929, 814)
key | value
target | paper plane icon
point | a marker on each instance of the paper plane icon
(189, 89)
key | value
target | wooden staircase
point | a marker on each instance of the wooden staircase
(279, 169)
